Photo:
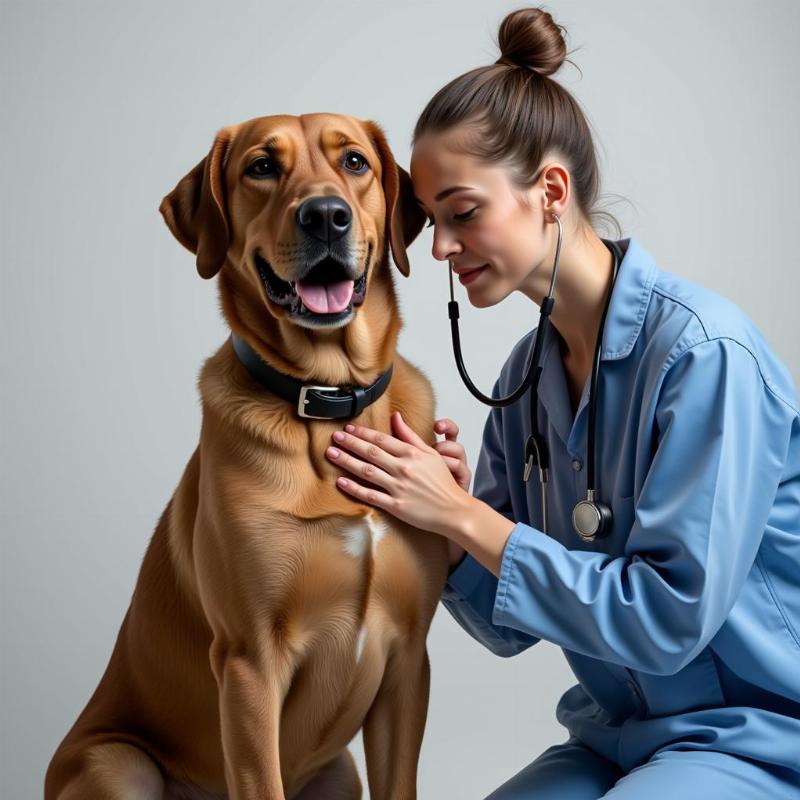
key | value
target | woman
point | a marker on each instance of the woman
(682, 622)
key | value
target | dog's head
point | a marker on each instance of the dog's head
(302, 208)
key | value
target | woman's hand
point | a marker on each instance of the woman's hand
(455, 457)
(414, 481)
(453, 452)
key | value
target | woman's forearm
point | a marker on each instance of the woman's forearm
(482, 532)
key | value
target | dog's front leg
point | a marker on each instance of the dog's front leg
(395, 724)
(250, 697)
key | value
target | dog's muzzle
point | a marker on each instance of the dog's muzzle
(325, 293)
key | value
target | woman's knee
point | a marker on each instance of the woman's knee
(696, 774)
(568, 771)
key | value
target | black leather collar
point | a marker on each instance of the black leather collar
(308, 399)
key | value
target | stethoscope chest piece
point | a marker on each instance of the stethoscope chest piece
(591, 518)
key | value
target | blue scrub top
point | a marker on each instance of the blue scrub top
(683, 624)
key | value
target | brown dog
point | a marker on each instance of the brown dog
(274, 616)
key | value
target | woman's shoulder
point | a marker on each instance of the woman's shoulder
(684, 314)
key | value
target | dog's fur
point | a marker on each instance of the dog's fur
(274, 616)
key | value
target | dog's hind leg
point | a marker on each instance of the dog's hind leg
(336, 780)
(110, 771)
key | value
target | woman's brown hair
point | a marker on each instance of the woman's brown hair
(513, 112)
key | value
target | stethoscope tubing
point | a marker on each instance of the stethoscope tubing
(531, 373)
(590, 517)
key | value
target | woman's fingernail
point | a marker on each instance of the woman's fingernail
(333, 452)
(339, 436)
(349, 428)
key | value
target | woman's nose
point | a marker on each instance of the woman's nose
(444, 247)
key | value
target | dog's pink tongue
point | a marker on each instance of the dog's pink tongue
(325, 299)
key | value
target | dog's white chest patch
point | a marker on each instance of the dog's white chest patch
(362, 635)
(358, 537)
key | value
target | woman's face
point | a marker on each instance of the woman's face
(484, 224)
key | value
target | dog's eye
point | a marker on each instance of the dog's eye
(262, 167)
(355, 162)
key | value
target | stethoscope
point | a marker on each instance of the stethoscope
(591, 518)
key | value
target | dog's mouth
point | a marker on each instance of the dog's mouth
(325, 296)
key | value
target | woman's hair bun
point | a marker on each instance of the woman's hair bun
(530, 38)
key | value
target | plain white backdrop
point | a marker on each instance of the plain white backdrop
(106, 323)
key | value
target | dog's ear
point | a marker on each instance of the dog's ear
(404, 217)
(195, 210)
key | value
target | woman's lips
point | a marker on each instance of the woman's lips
(468, 277)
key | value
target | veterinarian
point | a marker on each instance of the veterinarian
(671, 576)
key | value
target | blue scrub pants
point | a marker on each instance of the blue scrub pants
(571, 771)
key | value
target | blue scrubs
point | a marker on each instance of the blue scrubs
(682, 626)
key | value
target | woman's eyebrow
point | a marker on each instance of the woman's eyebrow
(444, 193)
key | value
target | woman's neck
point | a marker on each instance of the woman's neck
(583, 281)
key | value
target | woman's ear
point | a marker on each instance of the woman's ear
(404, 217)
(195, 210)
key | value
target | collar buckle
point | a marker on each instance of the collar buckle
(302, 401)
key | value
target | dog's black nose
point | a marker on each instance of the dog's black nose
(324, 218)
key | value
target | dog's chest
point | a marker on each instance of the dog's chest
(361, 539)
(358, 597)
(335, 581)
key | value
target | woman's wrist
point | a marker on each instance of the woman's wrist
(482, 532)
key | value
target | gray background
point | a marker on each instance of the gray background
(106, 322)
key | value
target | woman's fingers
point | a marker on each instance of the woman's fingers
(368, 495)
(459, 471)
(456, 465)
(454, 449)
(368, 471)
(407, 433)
(375, 464)
(452, 452)
(448, 427)
(365, 440)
